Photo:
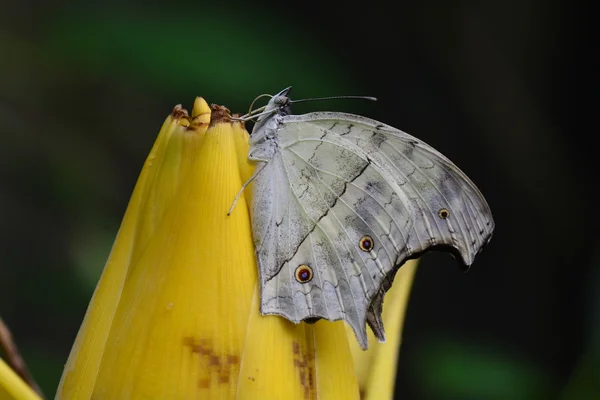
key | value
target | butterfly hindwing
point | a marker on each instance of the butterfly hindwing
(342, 204)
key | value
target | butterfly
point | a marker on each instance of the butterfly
(340, 202)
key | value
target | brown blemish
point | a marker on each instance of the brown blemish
(204, 383)
(233, 359)
(221, 366)
(219, 114)
(201, 347)
(197, 122)
(179, 112)
(300, 363)
(251, 378)
(303, 362)
(303, 379)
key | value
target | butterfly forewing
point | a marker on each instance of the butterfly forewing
(430, 181)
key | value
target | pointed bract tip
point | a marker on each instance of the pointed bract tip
(200, 107)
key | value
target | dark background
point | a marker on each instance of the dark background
(494, 85)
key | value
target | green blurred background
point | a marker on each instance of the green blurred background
(85, 87)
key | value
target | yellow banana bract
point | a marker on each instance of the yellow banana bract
(12, 387)
(376, 367)
(176, 312)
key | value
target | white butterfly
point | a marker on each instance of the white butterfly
(340, 202)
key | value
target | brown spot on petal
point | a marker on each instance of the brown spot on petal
(303, 361)
(217, 366)
(219, 114)
(300, 363)
(179, 112)
(302, 378)
(233, 359)
(204, 383)
(202, 347)
(197, 123)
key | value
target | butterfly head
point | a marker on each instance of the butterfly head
(283, 95)
(279, 104)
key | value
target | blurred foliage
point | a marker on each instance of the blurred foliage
(84, 88)
(460, 370)
(170, 52)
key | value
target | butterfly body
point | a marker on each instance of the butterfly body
(340, 202)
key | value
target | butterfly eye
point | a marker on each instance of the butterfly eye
(280, 100)
(444, 213)
(304, 273)
(366, 243)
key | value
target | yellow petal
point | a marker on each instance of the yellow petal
(376, 367)
(80, 372)
(287, 361)
(12, 387)
(175, 314)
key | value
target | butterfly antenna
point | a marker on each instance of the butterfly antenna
(258, 112)
(371, 98)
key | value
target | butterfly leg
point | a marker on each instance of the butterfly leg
(244, 187)
(250, 116)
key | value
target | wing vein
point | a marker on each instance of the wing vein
(448, 204)
(359, 188)
(316, 224)
(347, 205)
(413, 225)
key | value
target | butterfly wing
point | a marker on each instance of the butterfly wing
(343, 204)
